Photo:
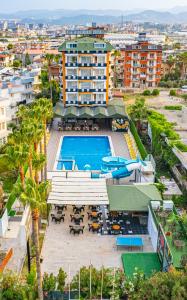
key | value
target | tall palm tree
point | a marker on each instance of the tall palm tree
(34, 194)
(50, 58)
(38, 163)
(44, 109)
(182, 60)
(18, 156)
(32, 133)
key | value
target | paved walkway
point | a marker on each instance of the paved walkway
(62, 249)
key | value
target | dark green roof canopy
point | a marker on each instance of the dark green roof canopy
(132, 197)
(85, 44)
(111, 111)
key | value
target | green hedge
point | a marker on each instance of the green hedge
(139, 143)
(173, 107)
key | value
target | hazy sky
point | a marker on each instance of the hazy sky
(14, 5)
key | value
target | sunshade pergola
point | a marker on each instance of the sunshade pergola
(77, 188)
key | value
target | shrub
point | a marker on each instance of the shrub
(155, 92)
(173, 107)
(146, 93)
(184, 96)
(172, 93)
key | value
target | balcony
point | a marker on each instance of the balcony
(71, 77)
(71, 64)
(92, 90)
(71, 89)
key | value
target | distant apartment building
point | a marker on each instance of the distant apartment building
(15, 88)
(4, 119)
(85, 72)
(142, 64)
(6, 59)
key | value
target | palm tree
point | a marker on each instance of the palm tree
(116, 55)
(170, 63)
(44, 109)
(34, 194)
(33, 132)
(50, 59)
(18, 156)
(182, 60)
(38, 163)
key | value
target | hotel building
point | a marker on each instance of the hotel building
(142, 64)
(85, 73)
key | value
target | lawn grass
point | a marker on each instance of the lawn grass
(148, 263)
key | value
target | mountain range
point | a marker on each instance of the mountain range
(61, 16)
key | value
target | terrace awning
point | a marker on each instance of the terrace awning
(112, 111)
(77, 188)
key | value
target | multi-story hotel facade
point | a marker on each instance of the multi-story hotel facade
(142, 64)
(85, 73)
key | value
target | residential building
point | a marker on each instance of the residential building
(86, 72)
(6, 59)
(16, 87)
(4, 104)
(142, 64)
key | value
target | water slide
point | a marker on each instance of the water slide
(127, 168)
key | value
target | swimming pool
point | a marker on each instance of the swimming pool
(86, 151)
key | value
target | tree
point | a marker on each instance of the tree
(11, 287)
(170, 285)
(17, 63)
(34, 195)
(27, 59)
(10, 46)
(182, 61)
(155, 92)
(44, 109)
(61, 280)
(139, 110)
(18, 155)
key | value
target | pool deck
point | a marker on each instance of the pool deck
(118, 141)
(62, 249)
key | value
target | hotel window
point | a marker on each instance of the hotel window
(99, 85)
(71, 45)
(2, 111)
(86, 73)
(100, 97)
(86, 97)
(85, 85)
(99, 45)
(99, 72)
(86, 59)
(100, 59)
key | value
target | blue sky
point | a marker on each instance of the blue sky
(14, 5)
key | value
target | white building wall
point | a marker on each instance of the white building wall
(152, 229)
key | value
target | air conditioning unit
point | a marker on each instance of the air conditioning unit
(155, 205)
(168, 205)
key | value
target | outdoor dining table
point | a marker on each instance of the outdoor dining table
(94, 226)
(94, 214)
(76, 228)
(77, 217)
(116, 227)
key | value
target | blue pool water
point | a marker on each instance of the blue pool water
(85, 150)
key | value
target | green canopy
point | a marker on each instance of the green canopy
(132, 197)
(114, 110)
